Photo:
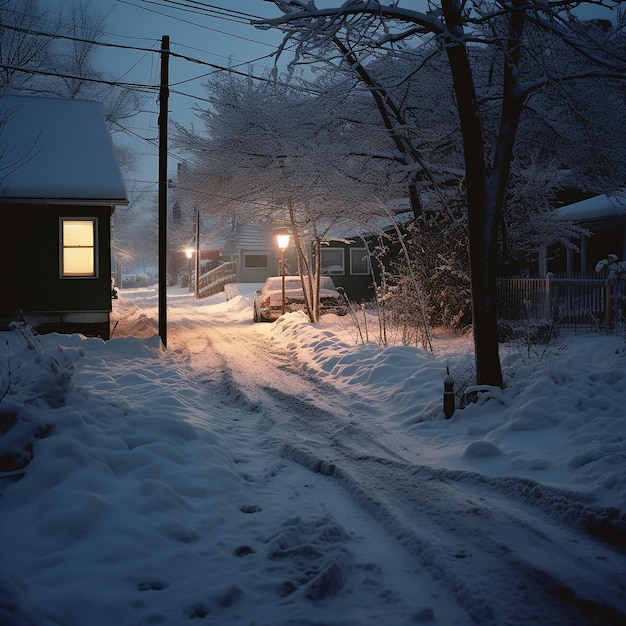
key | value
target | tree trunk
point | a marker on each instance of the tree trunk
(305, 271)
(513, 97)
(481, 221)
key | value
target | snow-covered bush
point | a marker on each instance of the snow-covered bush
(612, 266)
(527, 331)
(28, 383)
(48, 377)
(438, 251)
(20, 427)
(615, 272)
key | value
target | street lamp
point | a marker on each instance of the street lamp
(282, 238)
(189, 254)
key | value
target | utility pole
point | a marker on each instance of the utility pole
(163, 98)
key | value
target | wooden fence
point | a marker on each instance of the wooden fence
(580, 304)
(214, 281)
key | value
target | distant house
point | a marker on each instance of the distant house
(349, 264)
(605, 219)
(59, 185)
(253, 248)
(348, 255)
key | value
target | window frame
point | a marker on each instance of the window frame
(62, 247)
(247, 255)
(327, 249)
(365, 254)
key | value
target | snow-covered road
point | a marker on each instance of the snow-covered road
(287, 474)
(498, 546)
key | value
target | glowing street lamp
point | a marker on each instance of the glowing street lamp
(282, 238)
(189, 254)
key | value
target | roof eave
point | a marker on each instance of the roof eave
(66, 201)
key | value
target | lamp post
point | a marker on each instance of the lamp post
(282, 238)
(189, 254)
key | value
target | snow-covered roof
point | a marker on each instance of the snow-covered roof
(348, 229)
(57, 150)
(255, 235)
(596, 208)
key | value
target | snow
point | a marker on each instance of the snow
(595, 208)
(65, 142)
(168, 486)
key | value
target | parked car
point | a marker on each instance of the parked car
(268, 301)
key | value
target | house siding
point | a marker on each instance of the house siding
(31, 284)
(257, 274)
(358, 287)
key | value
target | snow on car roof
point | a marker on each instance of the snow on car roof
(293, 283)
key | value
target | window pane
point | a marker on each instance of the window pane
(255, 260)
(359, 261)
(78, 256)
(78, 233)
(332, 260)
(78, 262)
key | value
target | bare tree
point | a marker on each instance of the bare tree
(275, 152)
(359, 31)
(20, 45)
(51, 52)
(572, 129)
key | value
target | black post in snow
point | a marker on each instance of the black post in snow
(163, 97)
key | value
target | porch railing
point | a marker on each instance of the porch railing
(580, 304)
(213, 282)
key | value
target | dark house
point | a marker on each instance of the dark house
(59, 185)
(352, 257)
(604, 217)
(252, 246)
(349, 265)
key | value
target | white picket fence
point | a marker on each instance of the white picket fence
(581, 304)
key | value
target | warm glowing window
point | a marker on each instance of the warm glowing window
(78, 247)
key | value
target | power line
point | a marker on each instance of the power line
(39, 33)
(195, 24)
(112, 83)
(211, 11)
(217, 15)
(110, 45)
(184, 57)
(147, 87)
(127, 85)
(105, 44)
(196, 6)
(179, 6)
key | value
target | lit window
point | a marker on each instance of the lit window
(359, 261)
(78, 247)
(332, 261)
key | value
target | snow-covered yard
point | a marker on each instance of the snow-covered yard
(285, 473)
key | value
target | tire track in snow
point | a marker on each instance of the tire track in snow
(471, 537)
(505, 561)
(460, 525)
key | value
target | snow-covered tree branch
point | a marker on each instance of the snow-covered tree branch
(492, 85)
